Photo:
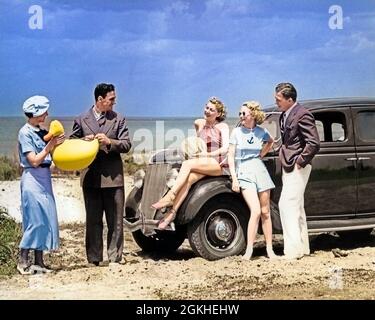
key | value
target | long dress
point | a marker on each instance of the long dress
(39, 214)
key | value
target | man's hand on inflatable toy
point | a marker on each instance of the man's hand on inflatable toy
(70, 154)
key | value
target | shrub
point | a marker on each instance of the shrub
(9, 169)
(10, 236)
(130, 165)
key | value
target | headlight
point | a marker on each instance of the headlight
(171, 177)
(138, 178)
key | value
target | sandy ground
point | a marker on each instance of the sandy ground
(336, 269)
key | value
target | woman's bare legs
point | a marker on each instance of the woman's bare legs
(213, 170)
(251, 198)
(259, 204)
(264, 199)
(205, 166)
(181, 195)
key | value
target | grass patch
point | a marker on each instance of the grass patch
(10, 236)
(9, 169)
(131, 166)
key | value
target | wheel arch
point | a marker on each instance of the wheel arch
(133, 200)
(202, 192)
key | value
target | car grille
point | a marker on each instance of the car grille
(154, 187)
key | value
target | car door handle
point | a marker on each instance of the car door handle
(364, 158)
(351, 159)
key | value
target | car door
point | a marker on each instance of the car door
(332, 188)
(364, 128)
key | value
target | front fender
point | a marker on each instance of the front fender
(133, 200)
(203, 191)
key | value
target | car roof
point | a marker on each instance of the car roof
(328, 103)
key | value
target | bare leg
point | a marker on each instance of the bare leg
(264, 198)
(205, 166)
(170, 216)
(181, 195)
(251, 198)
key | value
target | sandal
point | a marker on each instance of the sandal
(166, 201)
(167, 220)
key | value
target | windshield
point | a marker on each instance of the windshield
(272, 124)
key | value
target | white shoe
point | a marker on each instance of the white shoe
(271, 255)
(248, 254)
(290, 257)
(246, 257)
(39, 269)
(25, 269)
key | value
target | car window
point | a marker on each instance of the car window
(271, 124)
(320, 128)
(366, 125)
(338, 132)
(331, 126)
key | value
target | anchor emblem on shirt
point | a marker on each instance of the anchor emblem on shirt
(251, 140)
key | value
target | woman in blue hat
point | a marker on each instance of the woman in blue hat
(39, 216)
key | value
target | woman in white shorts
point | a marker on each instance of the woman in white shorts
(248, 144)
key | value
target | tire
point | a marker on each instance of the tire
(219, 228)
(355, 234)
(162, 241)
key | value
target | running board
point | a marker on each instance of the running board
(340, 225)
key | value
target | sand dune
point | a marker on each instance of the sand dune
(68, 195)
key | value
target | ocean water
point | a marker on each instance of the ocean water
(147, 134)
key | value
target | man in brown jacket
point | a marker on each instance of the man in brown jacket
(300, 143)
(103, 181)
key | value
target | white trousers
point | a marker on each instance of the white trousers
(292, 212)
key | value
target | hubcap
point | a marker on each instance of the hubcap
(222, 229)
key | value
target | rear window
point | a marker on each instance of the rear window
(366, 125)
(331, 126)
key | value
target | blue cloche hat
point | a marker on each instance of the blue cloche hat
(36, 105)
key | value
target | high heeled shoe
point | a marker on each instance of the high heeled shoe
(166, 201)
(167, 220)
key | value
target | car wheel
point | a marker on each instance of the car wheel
(355, 234)
(162, 241)
(219, 229)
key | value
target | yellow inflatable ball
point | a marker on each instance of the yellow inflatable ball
(75, 154)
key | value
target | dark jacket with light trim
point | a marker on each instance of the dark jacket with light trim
(300, 139)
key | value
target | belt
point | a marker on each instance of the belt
(44, 165)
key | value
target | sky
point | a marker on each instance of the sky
(166, 58)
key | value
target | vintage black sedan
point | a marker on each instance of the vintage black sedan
(339, 196)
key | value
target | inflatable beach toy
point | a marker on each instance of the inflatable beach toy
(191, 146)
(72, 154)
(75, 154)
(55, 129)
